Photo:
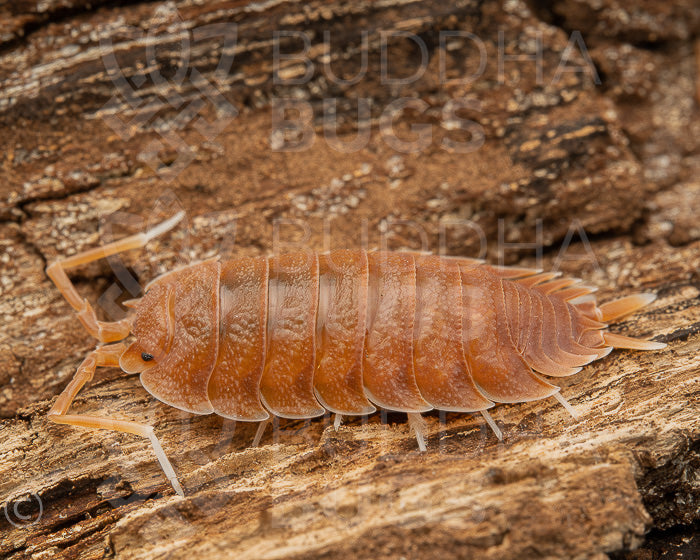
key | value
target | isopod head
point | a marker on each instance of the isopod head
(153, 326)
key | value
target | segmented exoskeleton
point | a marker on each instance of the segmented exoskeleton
(297, 334)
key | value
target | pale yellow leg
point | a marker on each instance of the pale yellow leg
(102, 331)
(106, 356)
(570, 409)
(259, 433)
(418, 425)
(492, 424)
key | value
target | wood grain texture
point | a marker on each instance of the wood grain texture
(618, 162)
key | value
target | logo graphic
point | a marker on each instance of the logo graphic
(163, 94)
(24, 511)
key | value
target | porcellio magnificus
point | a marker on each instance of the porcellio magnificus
(295, 335)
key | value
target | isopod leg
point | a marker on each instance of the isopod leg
(106, 356)
(336, 421)
(492, 424)
(562, 401)
(260, 432)
(415, 420)
(102, 331)
(228, 428)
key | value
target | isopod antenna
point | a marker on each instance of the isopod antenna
(107, 355)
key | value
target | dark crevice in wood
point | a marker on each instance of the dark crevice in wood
(60, 14)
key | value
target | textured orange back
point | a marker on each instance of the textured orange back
(497, 368)
(234, 386)
(349, 330)
(441, 368)
(388, 362)
(340, 324)
(287, 381)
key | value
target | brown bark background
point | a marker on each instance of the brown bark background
(114, 116)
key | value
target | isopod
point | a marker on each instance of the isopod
(295, 335)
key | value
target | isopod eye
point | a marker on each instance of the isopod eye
(146, 357)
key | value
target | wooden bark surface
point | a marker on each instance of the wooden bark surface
(602, 176)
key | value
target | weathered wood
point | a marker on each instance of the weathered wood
(613, 166)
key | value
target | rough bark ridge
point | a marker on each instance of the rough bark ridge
(114, 116)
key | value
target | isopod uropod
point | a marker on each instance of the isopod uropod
(297, 334)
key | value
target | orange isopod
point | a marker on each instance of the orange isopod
(299, 334)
